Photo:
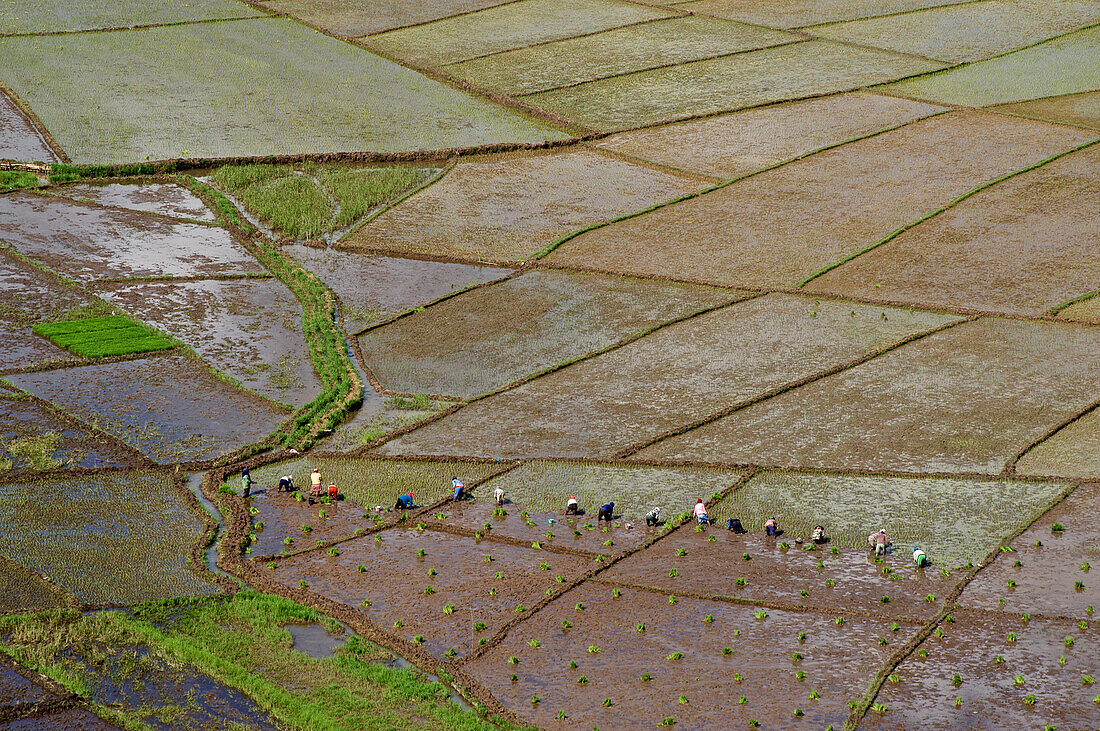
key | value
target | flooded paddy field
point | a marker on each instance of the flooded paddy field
(779, 227)
(940, 404)
(33, 436)
(22, 590)
(171, 408)
(167, 199)
(505, 208)
(487, 339)
(250, 329)
(373, 287)
(1073, 451)
(111, 538)
(29, 297)
(668, 380)
(798, 13)
(19, 140)
(345, 19)
(792, 71)
(21, 17)
(634, 659)
(1080, 110)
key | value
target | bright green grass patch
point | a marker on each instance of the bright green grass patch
(954, 520)
(299, 203)
(13, 179)
(98, 337)
(242, 642)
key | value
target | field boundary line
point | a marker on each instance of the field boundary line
(50, 191)
(945, 207)
(1053, 311)
(174, 279)
(662, 167)
(393, 202)
(66, 597)
(783, 388)
(141, 26)
(35, 122)
(908, 11)
(544, 372)
(1010, 466)
(950, 604)
(424, 22)
(553, 245)
(196, 554)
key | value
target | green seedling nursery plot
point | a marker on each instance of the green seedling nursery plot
(170, 408)
(29, 16)
(796, 13)
(513, 25)
(372, 287)
(154, 102)
(545, 486)
(967, 31)
(1050, 568)
(167, 199)
(19, 140)
(250, 329)
(505, 208)
(955, 521)
(1081, 110)
(1020, 247)
(617, 51)
(935, 405)
(782, 226)
(484, 340)
(667, 380)
(1065, 65)
(792, 71)
(85, 241)
(97, 337)
(1072, 451)
(114, 538)
(360, 19)
(735, 144)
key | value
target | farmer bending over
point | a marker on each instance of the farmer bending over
(286, 483)
(653, 517)
(818, 536)
(571, 506)
(333, 493)
(878, 542)
(771, 527)
(701, 512)
(498, 496)
(920, 558)
(605, 512)
(459, 488)
(405, 502)
(734, 525)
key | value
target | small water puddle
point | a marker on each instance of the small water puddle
(314, 640)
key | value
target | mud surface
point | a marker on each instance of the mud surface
(838, 662)
(24, 423)
(171, 408)
(284, 517)
(1073, 451)
(614, 52)
(396, 578)
(967, 32)
(964, 400)
(27, 298)
(793, 71)
(545, 486)
(955, 521)
(795, 13)
(76, 719)
(739, 143)
(1065, 65)
(925, 696)
(19, 140)
(373, 287)
(1021, 247)
(166, 199)
(115, 538)
(778, 227)
(510, 26)
(250, 329)
(155, 101)
(1046, 581)
(774, 574)
(355, 19)
(505, 208)
(86, 242)
(14, 688)
(479, 342)
(1082, 110)
(669, 379)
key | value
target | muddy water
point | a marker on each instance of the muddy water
(775, 574)
(925, 695)
(838, 662)
(166, 199)
(314, 640)
(26, 299)
(14, 688)
(74, 720)
(19, 140)
(396, 577)
(283, 517)
(170, 408)
(373, 287)
(250, 329)
(1045, 582)
(86, 241)
(76, 447)
(194, 484)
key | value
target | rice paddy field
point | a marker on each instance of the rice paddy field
(832, 262)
